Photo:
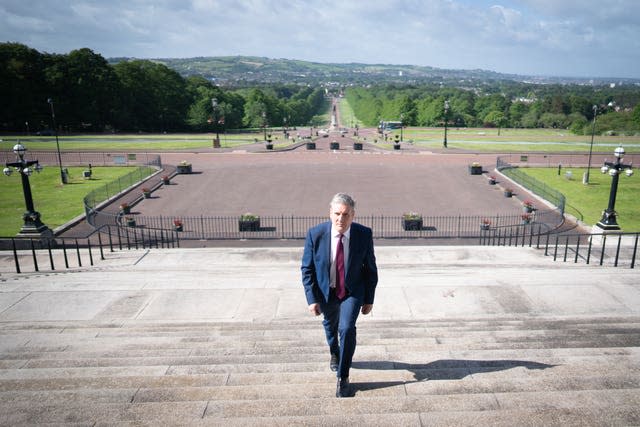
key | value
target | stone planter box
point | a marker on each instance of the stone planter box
(249, 225)
(183, 169)
(311, 145)
(475, 170)
(335, 146)
(412, 224)
(357, 146)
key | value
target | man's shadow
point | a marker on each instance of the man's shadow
(445, 369)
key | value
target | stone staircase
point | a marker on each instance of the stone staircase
(494, 371)
(459, 336)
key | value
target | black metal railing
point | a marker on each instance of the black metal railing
(602, 249)
(537, 187)
(384, 227)
(35, 255)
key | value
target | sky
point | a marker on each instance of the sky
(572, 38)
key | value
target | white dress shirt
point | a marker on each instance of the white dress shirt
(334, 246)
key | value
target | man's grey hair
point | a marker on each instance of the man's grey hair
(343, 199)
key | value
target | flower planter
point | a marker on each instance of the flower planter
(508, 193)
(485, 227)
(177, 227)
(184, 169)
(125, 209)
(396, 146)
(475, 170)
(131, 222)
(311, 145)
(146, 194)
(527, 209)
(412, 224)
(492, 181)
(357, 146)
(335, 145)
(249, 225)
(165, 181)
(269, 146)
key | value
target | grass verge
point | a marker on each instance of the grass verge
(590, 200)
(57, 203)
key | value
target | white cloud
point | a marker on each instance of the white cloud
(569, 37)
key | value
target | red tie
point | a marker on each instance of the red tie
(340, 291)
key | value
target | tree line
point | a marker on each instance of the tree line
(88, 94)
(502, 104)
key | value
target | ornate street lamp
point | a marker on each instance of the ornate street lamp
(63, 175)
(585, 180)
(609, 216)
(446, 119)
(401, 126)
(32, 224)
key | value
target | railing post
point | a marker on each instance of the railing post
(33, 253)
(50, 255)
(604, 244)
(78, 253)
(575, 261)
(615, 262)
(100, 246)
(64, 251)
(15, 255)
(89, 249)
(635, 250)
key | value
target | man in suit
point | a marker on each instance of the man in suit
(339, 275)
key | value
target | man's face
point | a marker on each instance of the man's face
(341, 217)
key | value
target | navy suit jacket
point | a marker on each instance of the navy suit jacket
(361, 276)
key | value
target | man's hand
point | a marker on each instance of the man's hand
(315, 309)
(366, 309)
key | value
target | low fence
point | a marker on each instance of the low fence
(77, 158)
(537, 187)
(112, 189)
(384, 227)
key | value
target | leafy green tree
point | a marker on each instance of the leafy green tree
(22, 88)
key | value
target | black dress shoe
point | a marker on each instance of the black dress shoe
(343, 389)
(333, 364)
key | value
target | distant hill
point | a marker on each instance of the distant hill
(234, 70)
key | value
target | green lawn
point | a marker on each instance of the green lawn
(590, 200)
(517, 140)
(56, 203)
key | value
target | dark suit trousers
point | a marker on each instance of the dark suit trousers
(340, 327)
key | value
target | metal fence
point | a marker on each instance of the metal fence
(384, 227)
(112, 189)
(601, 249)
(532, 184)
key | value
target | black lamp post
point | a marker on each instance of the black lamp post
(32, 224)
(63, 175)
(593, 131)
(264, 124)
(446, 119)
(401, 126)
(214, 106)
(609, 216)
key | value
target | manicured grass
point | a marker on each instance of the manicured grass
(56, 203)
(590, 200)
(517, 140)
(347, 117)
(134, 142)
